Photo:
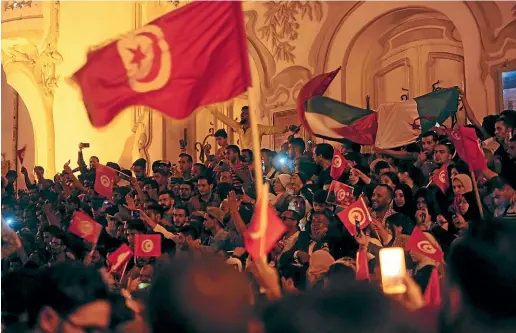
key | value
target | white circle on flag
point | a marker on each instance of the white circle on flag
(442, 176)
(85, 227)
(456, 135)
(146, 57)
(426, 247)
(337, 161)
(356, 214)
(147, 246)
(105, 181)
(341, 195)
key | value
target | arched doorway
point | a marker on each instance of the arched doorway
(351, 26)
(16, 118)
(407, 52)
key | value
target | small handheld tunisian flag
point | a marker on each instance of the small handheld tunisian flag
(190, 57)
(440, 178)
(418, 242)
(147, 245)
(104, 180)
(432, 293)
(264, 231)
(362, 272)
(467, 145)
(355, 213)
(119, 258)
(338, 164)
(83, 226)
(340, 194)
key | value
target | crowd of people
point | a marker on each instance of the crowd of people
(202, 279)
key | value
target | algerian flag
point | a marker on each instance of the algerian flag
(395, 124)
(437, 106)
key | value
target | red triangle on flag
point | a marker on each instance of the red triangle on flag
(355, 213)
(85, 227)
(104, 180)
(147, 245)
(261, 238)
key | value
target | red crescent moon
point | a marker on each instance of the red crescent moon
(156, 64)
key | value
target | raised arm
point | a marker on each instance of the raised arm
(234, 125)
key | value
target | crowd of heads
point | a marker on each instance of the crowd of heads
(203, 279)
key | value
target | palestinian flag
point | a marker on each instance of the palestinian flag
(315, 87)
(393, 125)
(334, 120)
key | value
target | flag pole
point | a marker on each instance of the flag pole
(477, 194)
(261, 190)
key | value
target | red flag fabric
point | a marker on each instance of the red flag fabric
(190, 57)
(356, 212)
(467, 146)
(21, 154)
(119, 258)
(440, 178)
(362, 272)
(104, 180)
(263, 233)
(418, 242)
(147, 245)
(432, 294)
(338, 164)
(83, 226)
(315, 87)
(340, 194)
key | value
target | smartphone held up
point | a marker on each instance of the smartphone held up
(393, 270)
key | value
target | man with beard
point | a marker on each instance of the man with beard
(57, 248)
(166, 200)
(381, 203)
(425, 158)
(242, 128)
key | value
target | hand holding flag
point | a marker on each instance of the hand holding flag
(357, 212)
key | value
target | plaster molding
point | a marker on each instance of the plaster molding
(285, 86)
(380, 72)
(281, 25)
(41, 60)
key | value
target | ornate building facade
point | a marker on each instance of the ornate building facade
(386, 50)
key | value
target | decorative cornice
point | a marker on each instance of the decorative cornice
(42, 62)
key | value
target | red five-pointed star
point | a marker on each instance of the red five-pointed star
(138, 56)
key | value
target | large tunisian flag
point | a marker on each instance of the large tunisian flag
(192, 56)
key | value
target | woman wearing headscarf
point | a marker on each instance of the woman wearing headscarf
(279, 188)
(461, 184)
(404, 201)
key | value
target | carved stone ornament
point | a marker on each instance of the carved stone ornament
(281, 25)
(42, 61)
